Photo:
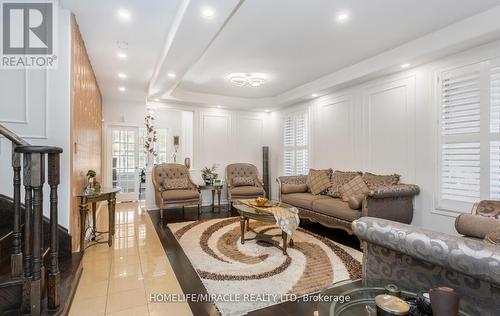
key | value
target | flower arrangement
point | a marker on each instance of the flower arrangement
(150, 140)
(92, 186)
(208, 174)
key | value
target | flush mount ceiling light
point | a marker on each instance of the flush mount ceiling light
(405, 65)
(124, 15)
(208, 13)
(342, 17)
(121, 55)
(241, 79)
(122, 75)
(122, 89)
(171, 75)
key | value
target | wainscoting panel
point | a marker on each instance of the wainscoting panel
(389, 118)
(333, 133)
(248, 140)
(215, 139)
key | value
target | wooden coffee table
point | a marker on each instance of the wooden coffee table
(247, 212)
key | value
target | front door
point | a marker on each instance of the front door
(123, 161)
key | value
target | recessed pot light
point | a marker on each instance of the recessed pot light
(171, 75)
(156, 100)
(267, 111)
(122, 89)
(121, 55)
(208, 13)
(218, 106)
(405, 65)
(124, 15)
(343, 17)
(122, 75)
(314, 95)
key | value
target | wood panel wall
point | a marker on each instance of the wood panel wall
(86, 125)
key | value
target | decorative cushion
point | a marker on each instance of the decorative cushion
(247, 191)
(355, 202)
(493, 237)
(318, 180)
(475, 226)
(376, 180)
(243, 181)
(303, 200)
(179, 195)
(338, 179)
(355, 187)
(176, 184)
(293, 188)
(335, 208)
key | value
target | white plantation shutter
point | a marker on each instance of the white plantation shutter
(295, 141)
(470, 135)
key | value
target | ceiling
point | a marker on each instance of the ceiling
(293, 42)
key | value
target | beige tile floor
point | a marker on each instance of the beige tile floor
(120, 279)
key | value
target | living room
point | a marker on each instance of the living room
(250, 157)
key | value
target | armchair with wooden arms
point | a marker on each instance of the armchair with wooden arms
(174, 187)
(243, 182)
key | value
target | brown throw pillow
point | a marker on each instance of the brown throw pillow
(176, 184)
(338, 179)
(243, 181)
(493, 237)
(355, 202)
(288, 188)
(377, 180)
(355, 187)
(318, 180)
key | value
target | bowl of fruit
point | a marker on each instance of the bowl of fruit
(262, 201)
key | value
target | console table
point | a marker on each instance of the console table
(105, 194)
(214, 188)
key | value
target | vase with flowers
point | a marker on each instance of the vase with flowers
(208, 174)
(92, 185)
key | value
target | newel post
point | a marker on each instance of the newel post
(54, 278)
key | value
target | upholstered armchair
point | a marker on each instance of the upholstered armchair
(174, 187)
(243, 182)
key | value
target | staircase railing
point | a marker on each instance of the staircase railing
(27, 263)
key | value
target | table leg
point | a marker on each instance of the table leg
(284, 236)
(218, 198)
(83, 215)
(94, 215)
(111, 219)
(213, 200)
(242, 225)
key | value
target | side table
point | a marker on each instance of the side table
(105, 194)
(214, 188)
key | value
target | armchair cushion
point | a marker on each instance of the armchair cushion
(180, 195)
(247, 191)
(338, 179)
(176, 184)
(355, 187)
(243, 181)
(318, 180)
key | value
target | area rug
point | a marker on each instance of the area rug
(241, 278)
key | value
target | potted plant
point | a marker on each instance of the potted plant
(208, 174)
(93, 186)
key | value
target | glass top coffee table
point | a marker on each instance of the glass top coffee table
(248, 212)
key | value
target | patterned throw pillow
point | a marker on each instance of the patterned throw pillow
(493, 237)
(376, 180)
(338, 179)
(318, 180)
(355, 187)
(176, 184)
(243, 181)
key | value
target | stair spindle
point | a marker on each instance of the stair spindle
(17, 255)
(28, 215)
(54, 279)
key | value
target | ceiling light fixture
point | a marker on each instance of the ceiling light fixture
(343, 17)
(208, 13)
(156, 100)
(124, 15)
(241, 79)
(314, 95)
(171, 75)
(121, 55)
(267, 111)
(405, 65)
(122, 89)
(122, 75)
(218, 106)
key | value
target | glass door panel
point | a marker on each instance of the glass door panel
(124, 155)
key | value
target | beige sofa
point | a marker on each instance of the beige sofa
(392, 202)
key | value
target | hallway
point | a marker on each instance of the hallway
(119, 280)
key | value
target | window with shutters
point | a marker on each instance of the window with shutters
(296, 151)
(469, 162)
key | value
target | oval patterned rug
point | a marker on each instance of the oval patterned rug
(256, 270)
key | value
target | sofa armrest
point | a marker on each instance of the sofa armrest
(397, 190)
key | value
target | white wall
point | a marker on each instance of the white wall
(36, 105)
(386, 125)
